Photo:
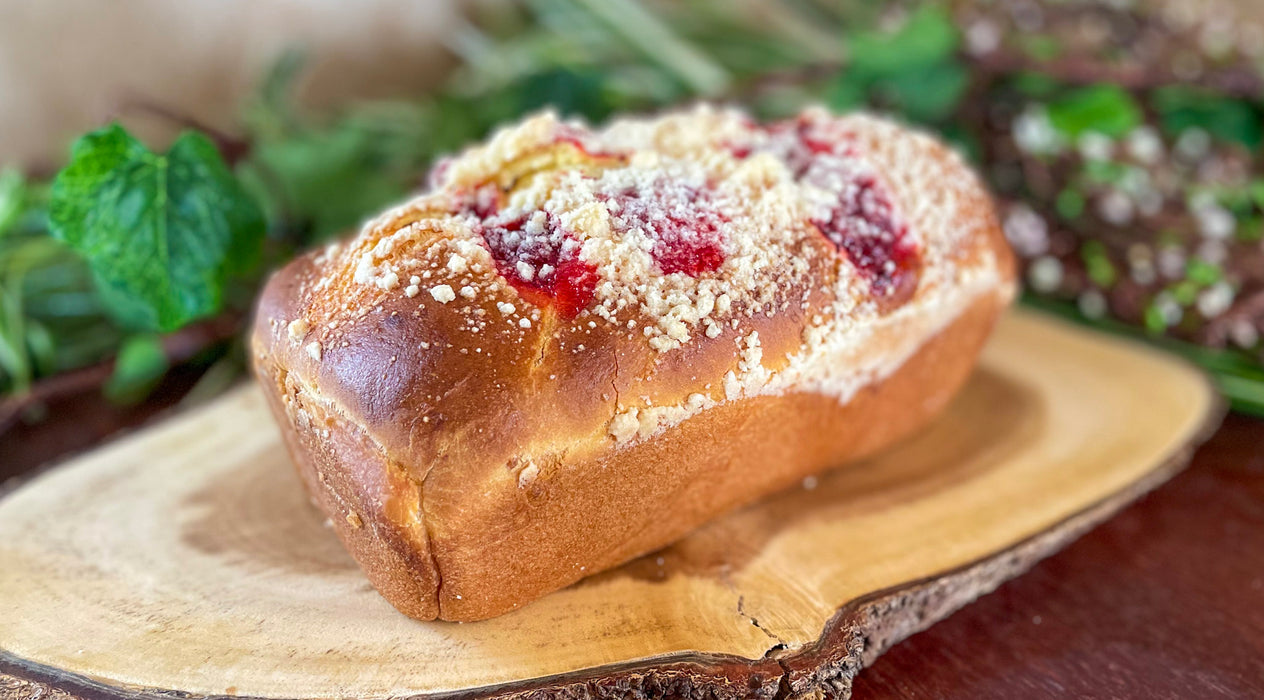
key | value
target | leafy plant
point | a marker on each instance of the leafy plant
(162, 233)
(141, 362)
(914, 69)
(12, 196)
(1104, 109)
(1232, 120)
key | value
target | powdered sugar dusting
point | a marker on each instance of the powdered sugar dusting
(686, 228)
(671, 214)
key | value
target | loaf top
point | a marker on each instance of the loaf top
(560, 290)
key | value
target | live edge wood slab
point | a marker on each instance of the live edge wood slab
(184, 559)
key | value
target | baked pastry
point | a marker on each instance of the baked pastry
(580, 344)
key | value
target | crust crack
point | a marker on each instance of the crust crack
(420, 484)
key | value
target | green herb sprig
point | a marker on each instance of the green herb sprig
(162, 234)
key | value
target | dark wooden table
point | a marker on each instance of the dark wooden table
(1164, 601)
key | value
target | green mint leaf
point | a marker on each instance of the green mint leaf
(334, 180)
(1098, 265)
(847, 92)
(1184, 292)
(141, 362)
(161, 233)
(1154, 320)
(1104, 172)
(1234, 121)
(930, 94)
(927, 37)
(12, 199)
(1105, 109)
(1256, 189)
(1250, 229)
(570, 92)
(1202, 272)
(964, 141)
(1070, 204)
(42, 346)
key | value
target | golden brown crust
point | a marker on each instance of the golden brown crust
(473, 458)
(575, 519)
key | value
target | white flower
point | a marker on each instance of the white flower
(1035, 134)
(1215, 300)
(1141, 264)
(1045, 274)
(1145, 145)
(1193, 144)
(983, 37)
(1116, 208)
(1149, 201)
(1244, 334)
(1215, 222)
(1026, 231)
(1169, 310)
(1172, 262)
(1095, 146)
(1213, 251)
(1092, 304)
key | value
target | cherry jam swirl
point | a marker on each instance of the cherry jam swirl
(541, 260)
(686, 228)
(862, 223)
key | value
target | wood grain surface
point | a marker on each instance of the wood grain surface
(1164, 601)
(213, 577)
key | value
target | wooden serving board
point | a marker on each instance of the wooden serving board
(185, 558)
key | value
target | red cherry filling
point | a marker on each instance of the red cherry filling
(799, 143)
(863, 222)
(685, 227)
(863, 225)
(541, 261)
(808, 142)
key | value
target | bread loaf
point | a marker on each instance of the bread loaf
(579, 344)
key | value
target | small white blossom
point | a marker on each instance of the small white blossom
(1169, 310)
(1116, 208)
(1244, 334)
(1026, 231)
(1215, 222)
(1172, 262)
(1092, 304)
(983, 37)
(1045, 274)
(1215, 300)
(1095, 146)
(1145, 145)
(1193, 144)
(1149, 201)
(1141, 264)
(1213, 250)
(1035, 134)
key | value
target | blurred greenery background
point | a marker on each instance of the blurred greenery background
(1121, 138)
